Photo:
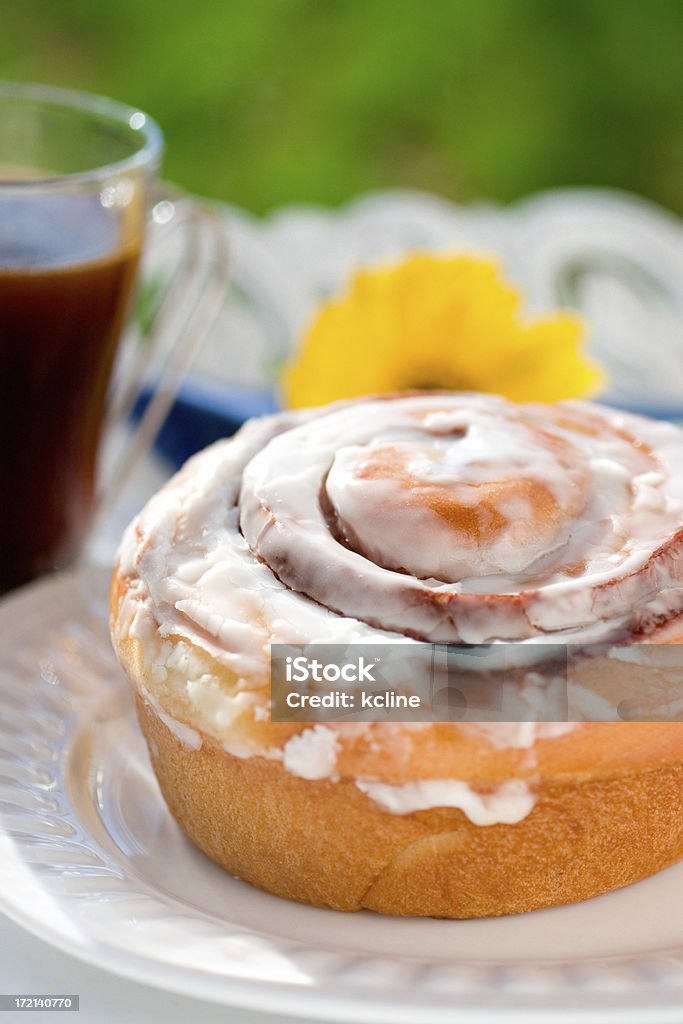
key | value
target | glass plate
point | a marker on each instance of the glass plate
(91, 861)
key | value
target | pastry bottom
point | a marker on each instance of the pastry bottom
(327, 844)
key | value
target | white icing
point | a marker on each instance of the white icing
(636, 654)
(312, 754)
(587, 475)
(660, 656)
(507, 804)
(187, 735)
(402, 533)
(520, 735)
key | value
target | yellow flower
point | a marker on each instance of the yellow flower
(436, 321)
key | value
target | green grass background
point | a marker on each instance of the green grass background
(274, 101)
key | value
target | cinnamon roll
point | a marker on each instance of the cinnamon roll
(440, 518)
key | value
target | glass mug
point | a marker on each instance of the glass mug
(78, 182)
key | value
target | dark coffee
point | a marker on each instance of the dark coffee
(65, 282)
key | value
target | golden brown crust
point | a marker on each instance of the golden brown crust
(327, 844)
(609, 811)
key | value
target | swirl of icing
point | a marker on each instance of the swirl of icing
(466, 518)
(439, 517)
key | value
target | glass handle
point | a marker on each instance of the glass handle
(182, 316)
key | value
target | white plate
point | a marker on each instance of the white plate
(91, 860)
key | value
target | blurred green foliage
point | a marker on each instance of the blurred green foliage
(273, 101)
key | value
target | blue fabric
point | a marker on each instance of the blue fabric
(203, 413)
